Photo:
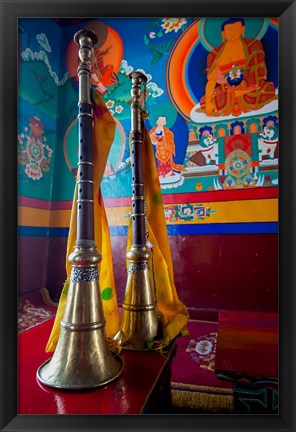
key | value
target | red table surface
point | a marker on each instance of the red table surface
(247, 344)
(126, 395)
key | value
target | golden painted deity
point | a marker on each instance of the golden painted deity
(236, 74)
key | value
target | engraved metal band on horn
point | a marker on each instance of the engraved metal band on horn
(139, 323)
(82, 358)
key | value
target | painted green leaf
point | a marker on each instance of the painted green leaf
(166, 46)
(154, 22)
(156, 56)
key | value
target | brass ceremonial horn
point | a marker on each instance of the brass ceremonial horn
(82, 358)
(139, 321)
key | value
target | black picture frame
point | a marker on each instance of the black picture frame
(9, 13)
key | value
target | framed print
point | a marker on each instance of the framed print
(219, 92)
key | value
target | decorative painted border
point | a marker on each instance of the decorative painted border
(190, 212)
(231, 195)
(192, 229)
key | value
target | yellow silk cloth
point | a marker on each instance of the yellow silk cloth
(103, 136)
(173, 313)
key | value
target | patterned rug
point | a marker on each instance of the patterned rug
(194, 383)
(35, 308)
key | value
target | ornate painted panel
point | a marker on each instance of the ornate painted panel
(212, 100)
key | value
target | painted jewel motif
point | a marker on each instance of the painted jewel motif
(239, 169)
(187, 212)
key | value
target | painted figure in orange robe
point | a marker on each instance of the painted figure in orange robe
(236, 73)
(102, 75)
(163, 139)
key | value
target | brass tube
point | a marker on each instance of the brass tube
(82, 358)
(139, 322)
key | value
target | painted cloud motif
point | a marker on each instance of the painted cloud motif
(43, 41)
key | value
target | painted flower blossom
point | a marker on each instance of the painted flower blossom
(169, 213)
(235, 74)
(172, 24)
(152, 34)
(109, 104)
(118, 109)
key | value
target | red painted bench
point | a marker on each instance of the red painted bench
(247, 354)
(143, 387)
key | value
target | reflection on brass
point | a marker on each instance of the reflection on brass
(138, 214)
(139, 322)
(82, 358)
(134, 198)
(85, 163)
(85, 181)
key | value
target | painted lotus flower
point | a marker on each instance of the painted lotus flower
(235, 76)
(172, 24)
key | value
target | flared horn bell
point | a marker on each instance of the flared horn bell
(139, 321)
(82, 358)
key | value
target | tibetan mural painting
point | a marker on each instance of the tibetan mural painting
(212, 105)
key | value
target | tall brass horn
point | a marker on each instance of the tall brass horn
(139, 321)
(82, 358)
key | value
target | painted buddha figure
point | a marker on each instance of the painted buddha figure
(236, 73)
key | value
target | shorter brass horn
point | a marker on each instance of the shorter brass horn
(139, 322)
(82, 358)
